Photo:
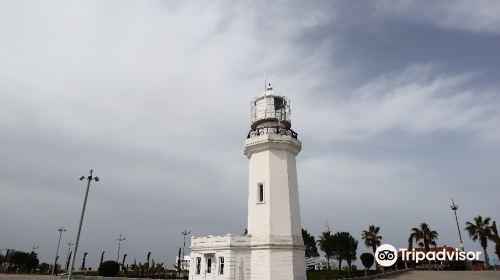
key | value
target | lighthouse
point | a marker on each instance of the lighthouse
(273, 246)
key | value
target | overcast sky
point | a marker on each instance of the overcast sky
(397, 105)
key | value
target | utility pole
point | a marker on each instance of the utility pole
(60, 230)
(89, 179)
(185, 233)
(120, 239)
(454, 207)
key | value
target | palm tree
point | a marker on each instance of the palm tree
(326, 244)
(495, 238)
(481, 230)
(424, 236)
(372, 239)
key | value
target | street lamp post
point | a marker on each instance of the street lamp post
(60, 230)
(120, 239)
(454, 207)
(89, 179)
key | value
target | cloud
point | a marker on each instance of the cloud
(465, 15)
(417, 101)
(155, 97)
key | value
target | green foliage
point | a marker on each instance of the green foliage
(179, 261)
(424, 236)
(44, 268)
(310, 244)
(341, 246)
(371, 237)
(326, 244)
(345, 247)
(367, 260)
(109, 269)
(495, 238)
(481, 230)
(24, 262)
(151, 270)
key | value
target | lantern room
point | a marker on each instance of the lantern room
(270, 108)
(270, 113)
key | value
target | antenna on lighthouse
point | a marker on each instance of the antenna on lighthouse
(265, 81)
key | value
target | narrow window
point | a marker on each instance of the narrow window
(260, 192)
(221, 265)
(198, 265)
(209, 265)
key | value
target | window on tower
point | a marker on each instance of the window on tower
(260, 193)
(221, 265)
(209, 265)
(198, 265)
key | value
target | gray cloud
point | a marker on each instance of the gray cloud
(154, 96)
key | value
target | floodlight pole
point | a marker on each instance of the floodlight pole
(61, 229)
(120, 239)
(454, 207)
(89, 179)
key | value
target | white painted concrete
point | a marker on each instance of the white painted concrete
(273, 248)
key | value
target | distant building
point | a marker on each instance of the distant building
(317, 263)
(273, 248)
(184, 262)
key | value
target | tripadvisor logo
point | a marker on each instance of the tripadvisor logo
(387, 255)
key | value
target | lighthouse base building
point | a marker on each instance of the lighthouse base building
(273, 247)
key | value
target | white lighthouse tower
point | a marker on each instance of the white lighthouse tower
(273, 248)
(273, 197)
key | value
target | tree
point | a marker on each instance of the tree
(124, 268)
(367, 260)
(351, 251)
(326, 244)
(495, 238)
(179, 263)
(310, 244)
(44, 268)
(102, 257)
(372, 238)
(24, 261)
(83, 261)
(480, 230)
(424, 236)
(108, 269)
(345, 247)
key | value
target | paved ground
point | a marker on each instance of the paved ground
(26, 276)
(412, 275)
(449, 275)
